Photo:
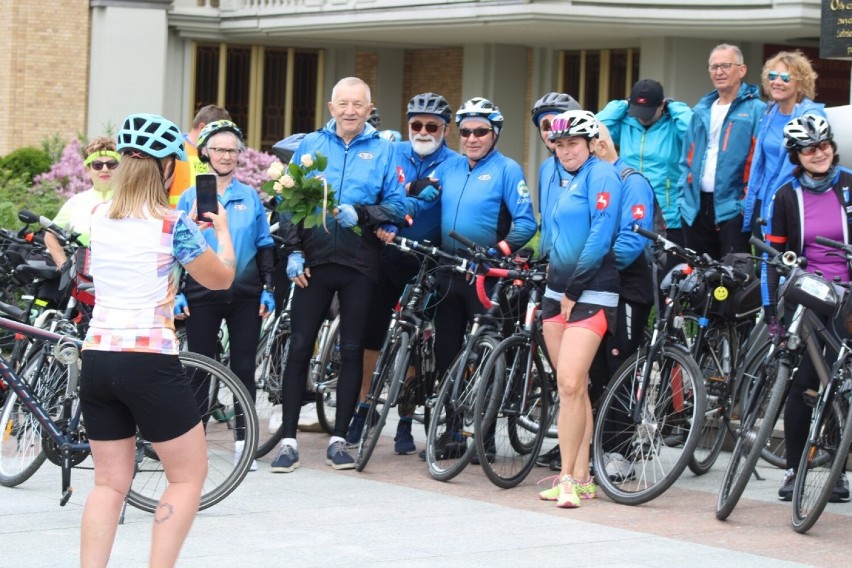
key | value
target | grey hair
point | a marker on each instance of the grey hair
(738, 54)
(352, 81)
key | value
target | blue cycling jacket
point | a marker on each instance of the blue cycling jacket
(425, 215)
(585, 219)
(552, 180)
(487, 204)
(762, 183)
(363, 174)
(249, 230)
(632, 250)
(654, 151)
(736, 146)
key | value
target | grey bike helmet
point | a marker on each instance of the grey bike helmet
(430, 103)
(806, 130)
(552, 103)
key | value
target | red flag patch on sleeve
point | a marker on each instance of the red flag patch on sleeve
(602, 201)
(400, 174)
(638, 211)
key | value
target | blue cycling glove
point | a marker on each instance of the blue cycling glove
(346, 216)
(389, 228)
(295, 264)
(180, 304)
(268, 300)
(426, 189)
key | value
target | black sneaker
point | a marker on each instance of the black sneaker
(543, 460)
(287, 460)
(337, 456)
(840, 493)
(449, 446)
(786, 491)
(490, 455)
(556, 463)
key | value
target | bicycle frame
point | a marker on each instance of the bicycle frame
(63, 439)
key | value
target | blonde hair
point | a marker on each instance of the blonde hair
(139, 189)
(799, 67)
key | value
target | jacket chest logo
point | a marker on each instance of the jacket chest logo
(484, 177)
(365, 155)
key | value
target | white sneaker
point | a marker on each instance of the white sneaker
(617, 467)
(238, 452)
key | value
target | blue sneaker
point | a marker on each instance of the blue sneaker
(404, 442)
(353, 436)
(337, 456)
(287, 460)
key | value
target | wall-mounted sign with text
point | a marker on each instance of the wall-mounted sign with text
(835, 38)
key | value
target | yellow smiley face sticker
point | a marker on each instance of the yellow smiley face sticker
(720, 293)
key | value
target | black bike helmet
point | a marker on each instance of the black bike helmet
(553, 103)
(430, 103)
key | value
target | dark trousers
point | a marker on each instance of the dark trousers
(310, 307)
(457, 305)
(243, 322)
(715, 239)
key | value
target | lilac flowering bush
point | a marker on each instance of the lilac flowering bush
(67, 176)
(252, 168)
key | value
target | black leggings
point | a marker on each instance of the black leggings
(202, 333)
(456, 307)
(310, 306)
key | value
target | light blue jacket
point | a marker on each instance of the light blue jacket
(738, 137)
(552, 181)
(487, 204)
(654, 151)
(762, 183)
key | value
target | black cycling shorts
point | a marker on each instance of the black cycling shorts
(121, 391)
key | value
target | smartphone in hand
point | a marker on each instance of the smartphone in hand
(206, 195)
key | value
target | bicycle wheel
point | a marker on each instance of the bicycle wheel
(326, 382)
(384, 394)
(715, 359)
(824, 458)
(23, 445)
(767, 380)
(223, 473)
(654, 447)
(448, 447)
(268, 394)
(511, 405)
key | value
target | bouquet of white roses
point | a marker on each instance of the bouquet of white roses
(303, 191)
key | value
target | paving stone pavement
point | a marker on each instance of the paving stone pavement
(394, 514)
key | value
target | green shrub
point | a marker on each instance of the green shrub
(26, 163)
(16, 195)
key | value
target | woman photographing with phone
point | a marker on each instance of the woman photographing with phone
(131, 376)
(250, 298)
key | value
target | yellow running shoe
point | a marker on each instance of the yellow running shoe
(567, 497)
(587, 489)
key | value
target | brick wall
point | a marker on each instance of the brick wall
(44, 55)
(366, 64)
(437, 71)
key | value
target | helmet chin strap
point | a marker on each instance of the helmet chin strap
(217, 172)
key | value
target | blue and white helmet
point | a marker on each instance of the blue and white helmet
(151, 134)
(479, 107)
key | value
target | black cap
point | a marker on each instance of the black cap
(645, 98)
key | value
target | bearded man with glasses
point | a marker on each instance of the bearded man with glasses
(716, 159)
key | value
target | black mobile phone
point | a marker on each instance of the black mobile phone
(206, 195)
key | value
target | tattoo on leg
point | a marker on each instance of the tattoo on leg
(164, 511)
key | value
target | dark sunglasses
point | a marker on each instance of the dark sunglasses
(810, 150)
(478, 132)
(431, 127)
(772, 75)
(544, 125)
(98, 166)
